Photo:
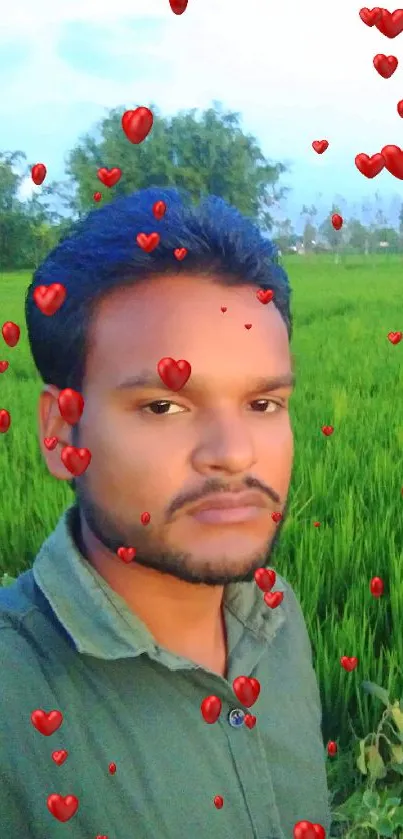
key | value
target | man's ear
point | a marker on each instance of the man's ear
(51, 424)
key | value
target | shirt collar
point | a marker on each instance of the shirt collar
(99, 621)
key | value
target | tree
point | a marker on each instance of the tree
(380, 218)
(27, 229)
(333, 237)
(285, 236)
(387, 235)
(206, 155)
(357, 235)
(309, 234)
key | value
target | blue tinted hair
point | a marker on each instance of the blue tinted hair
(101, 254)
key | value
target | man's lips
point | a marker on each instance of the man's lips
(229, 508)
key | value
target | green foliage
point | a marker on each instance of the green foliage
(377, 808)
(30, 229)
(202, 155)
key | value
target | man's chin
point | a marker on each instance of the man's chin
(215, 570)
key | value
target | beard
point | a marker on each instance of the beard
(151, 554)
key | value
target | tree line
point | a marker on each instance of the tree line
(200, 154)
(355, 237)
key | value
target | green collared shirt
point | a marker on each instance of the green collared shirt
(69, 643)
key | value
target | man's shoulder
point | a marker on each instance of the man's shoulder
(17, 600)
(27, 625)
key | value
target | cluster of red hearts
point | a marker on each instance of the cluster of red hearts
(62, 808)
(247, 691)
(389, 24)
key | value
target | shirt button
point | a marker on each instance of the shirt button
(236, 717)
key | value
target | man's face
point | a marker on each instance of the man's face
(159, 451)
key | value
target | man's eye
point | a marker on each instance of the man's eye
(161, 407)
(261, 405)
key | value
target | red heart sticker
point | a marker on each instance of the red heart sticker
(149, 242)
(45, 723)
(349, 664)
(337, 221)
(246, 690)
(5, 421)
(109, 177)
(393, 157)
(11, 333)
(71, 405)
(159, 210)
(137, 124)
(369, 166)
(308, 830)
(180, 253)
(385, 65)
(265, 578)
(320, 146)
(49, 298)
(59, 757)
(211, 709)
(327, 430)
(145, 518)
(76, 460)
(63, 809)
(265, 295)
(51, 443)
(400, 108)
(370, 16)
(174, 374)
(273, 598)
(126, 554)
(38, 173)
(376, 586)
(97, 196)
(390, 23)
(395, 337)
(249, 720)
(178, 6)
(3, 366)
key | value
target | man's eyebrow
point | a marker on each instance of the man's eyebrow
(150, 379)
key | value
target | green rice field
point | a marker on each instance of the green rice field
(349, 376)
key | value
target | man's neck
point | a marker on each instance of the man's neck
(185, 618)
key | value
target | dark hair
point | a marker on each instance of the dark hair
(101, 254)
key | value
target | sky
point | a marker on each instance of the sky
(295, 71)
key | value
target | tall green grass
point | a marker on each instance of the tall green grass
(349, 376)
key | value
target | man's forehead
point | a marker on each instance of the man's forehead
(131, 332)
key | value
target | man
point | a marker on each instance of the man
(190, 461)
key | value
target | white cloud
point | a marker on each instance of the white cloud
(281, 65)
(295, 71)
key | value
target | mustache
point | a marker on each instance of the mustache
(214, 485)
